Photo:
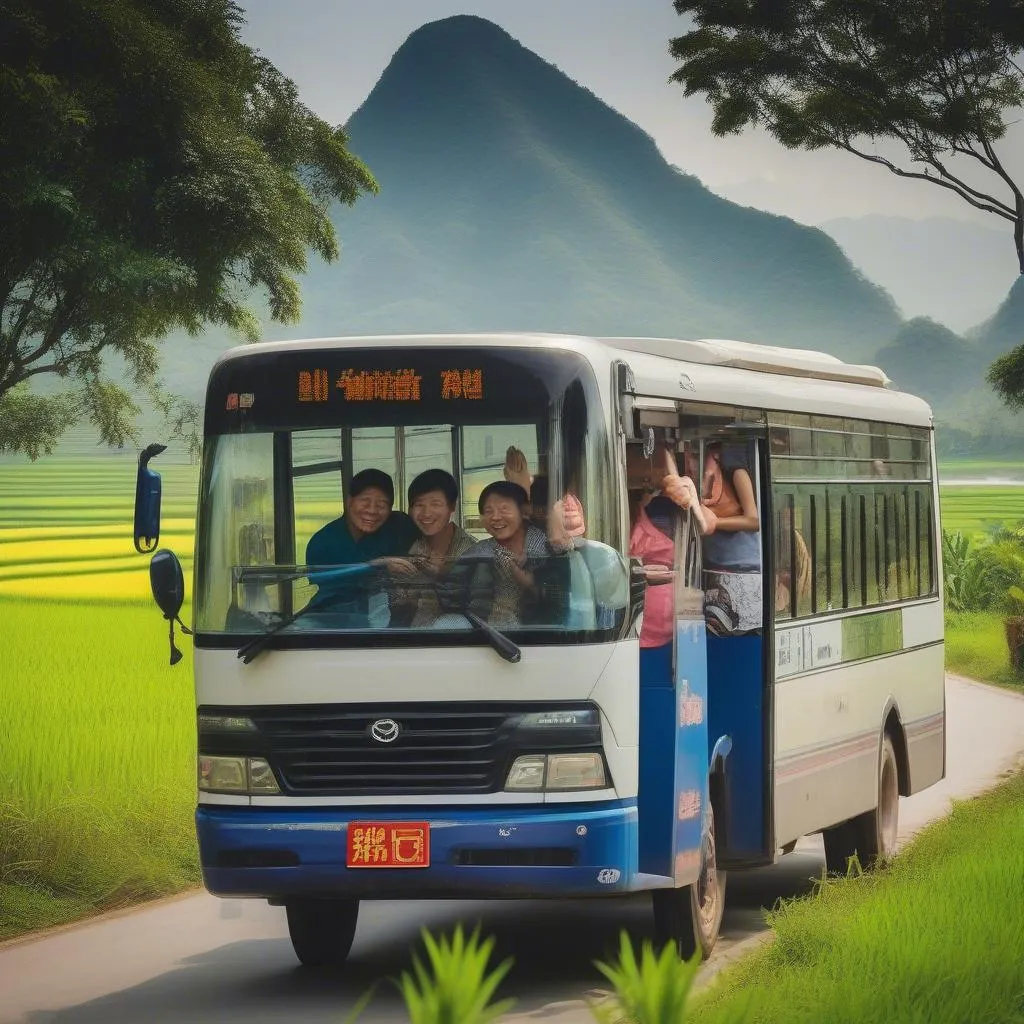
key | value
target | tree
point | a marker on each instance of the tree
(156, 173)
(936, 79)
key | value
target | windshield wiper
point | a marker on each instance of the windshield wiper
(247, 652)
(501, 643)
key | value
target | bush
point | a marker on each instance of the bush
(979, 578)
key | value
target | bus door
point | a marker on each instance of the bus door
(673, 769)
(738, 614)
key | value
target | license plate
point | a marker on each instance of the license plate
(388, 844)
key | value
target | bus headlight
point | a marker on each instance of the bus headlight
(236, 775)
(536, 772)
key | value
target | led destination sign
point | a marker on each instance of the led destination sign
(385, 387)
(390, 385)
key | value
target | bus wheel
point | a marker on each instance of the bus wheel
(322, 930)
(872, 835)
(691, 917)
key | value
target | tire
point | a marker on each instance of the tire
(322, 931)
(691, 917)
(872, 835)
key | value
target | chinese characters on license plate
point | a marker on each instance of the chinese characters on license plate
(399, 844)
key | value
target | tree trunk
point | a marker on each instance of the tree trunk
(1014, 627)
(1018, 232)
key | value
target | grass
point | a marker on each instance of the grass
(976, 648)
(973, 510)
(97, 736)
(935, 938)
(97, 762)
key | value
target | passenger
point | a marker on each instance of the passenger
(657, 495)
(599, 588)
(732, 550)
(368, 531)
(433, 496)
(516, 577)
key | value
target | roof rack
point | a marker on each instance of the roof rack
(793, 362)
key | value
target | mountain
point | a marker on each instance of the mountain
(952, 271)
(513, 199)
(931, 361)
(1005, 328)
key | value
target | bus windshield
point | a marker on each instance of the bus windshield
(386, 495)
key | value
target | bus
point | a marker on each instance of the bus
(528, 743)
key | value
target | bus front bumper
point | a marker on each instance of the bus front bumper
(575, 849)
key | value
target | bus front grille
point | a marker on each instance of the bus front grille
(325, 751)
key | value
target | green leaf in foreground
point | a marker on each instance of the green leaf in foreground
(457, 988)
(652, 990)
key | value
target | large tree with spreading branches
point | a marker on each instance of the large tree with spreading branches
(156, 174)
(926, 89)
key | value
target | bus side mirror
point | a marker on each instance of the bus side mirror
(168, 585)
(147, 501)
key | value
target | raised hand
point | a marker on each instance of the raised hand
(515, 470)
(678, 489)
(682, 491)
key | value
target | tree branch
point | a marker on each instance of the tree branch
(996, 207)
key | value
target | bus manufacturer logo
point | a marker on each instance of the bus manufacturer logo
(385, 730)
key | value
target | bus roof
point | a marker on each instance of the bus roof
(746, 355)
(724, 355)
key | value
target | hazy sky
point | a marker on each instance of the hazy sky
(335, 50)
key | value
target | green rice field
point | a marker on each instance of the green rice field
(97, 736)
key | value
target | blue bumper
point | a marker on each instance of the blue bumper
(515, 852)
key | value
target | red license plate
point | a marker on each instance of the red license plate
(388, 844)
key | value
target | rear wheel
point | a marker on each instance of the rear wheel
(691, 917)
(872, 835)
(322, 931)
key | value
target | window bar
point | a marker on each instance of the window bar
(917, 537)
(814, 554)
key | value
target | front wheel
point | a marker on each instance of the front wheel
(691, 917)
(872, 835)
(322, 931)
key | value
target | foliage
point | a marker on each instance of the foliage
(148, 185)
(183, 420)
(1006, 375)
(983, 577)
(937, 80)
(458, 988)
(652, 990)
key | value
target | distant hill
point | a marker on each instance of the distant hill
(931, 361)
(952, 271)
(513, 199)
(1005, 328)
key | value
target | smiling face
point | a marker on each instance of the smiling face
(368, 510)
(432, 512)
(503, 517)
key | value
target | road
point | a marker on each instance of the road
(197, 959)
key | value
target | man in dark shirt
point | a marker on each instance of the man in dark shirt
(369, 530)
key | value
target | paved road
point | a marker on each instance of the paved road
(197, 959)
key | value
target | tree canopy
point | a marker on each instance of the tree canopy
(157, 173)
(924, 88)
(938, 81)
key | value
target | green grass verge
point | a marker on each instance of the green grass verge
(976, 648)
(97, 762)
(936, 937)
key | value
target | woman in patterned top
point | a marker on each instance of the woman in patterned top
(517, 577)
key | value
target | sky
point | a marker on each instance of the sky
(335, 50)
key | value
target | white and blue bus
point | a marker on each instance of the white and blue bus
(367, 730)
